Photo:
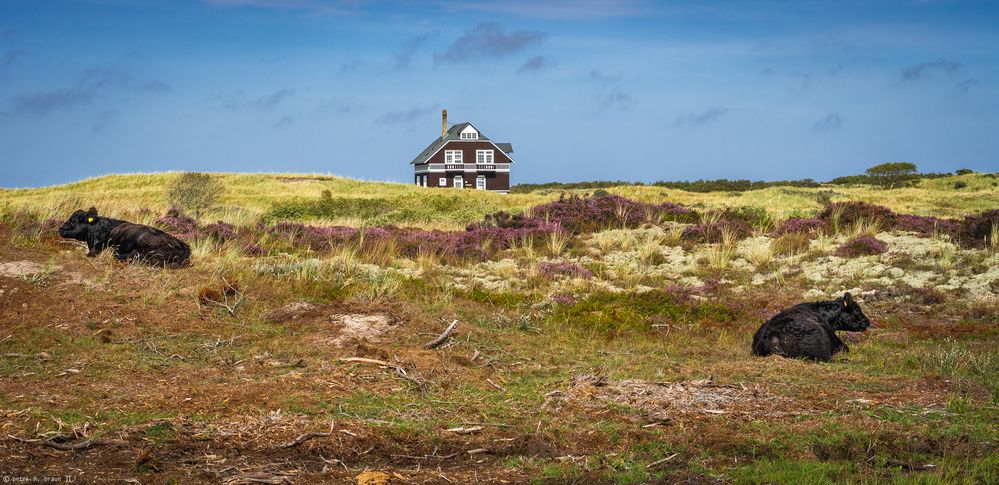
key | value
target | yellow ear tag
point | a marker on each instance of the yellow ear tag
(845, 304)
(90, 219)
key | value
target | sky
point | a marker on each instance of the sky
(584, 90)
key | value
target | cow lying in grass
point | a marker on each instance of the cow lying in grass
(808, 330)
(130, 242)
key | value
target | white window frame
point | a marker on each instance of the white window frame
(484, 156)
(442, 182)
(459, 182)
(452, 156)
(469, 135)
(480, 182)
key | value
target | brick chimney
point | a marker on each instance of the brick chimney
(443, 123)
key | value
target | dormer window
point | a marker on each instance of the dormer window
(469, 133)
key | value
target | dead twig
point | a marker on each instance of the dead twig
(497, 386)
(658, 463)
(399, 370)
(442, 337)
(303, 438)
(70, 447)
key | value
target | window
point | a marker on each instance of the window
(442, 182)
(452, 156)
(459, 183)
(480, 182)
(424, 181)
(469, 135)
(483, 156)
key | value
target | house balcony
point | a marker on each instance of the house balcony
(463, 167)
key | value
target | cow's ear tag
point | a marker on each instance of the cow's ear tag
(846, 304)
(90, 219)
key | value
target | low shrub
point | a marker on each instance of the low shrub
(572, 270)
(194, 191)
(842, 214)
(925, 225)
(580, 215)
(865, 245)
(977, 230)
(178, 224)
(801, 225)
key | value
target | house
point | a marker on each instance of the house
(463, 158)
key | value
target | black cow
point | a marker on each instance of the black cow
(130, 242)
(808, 330)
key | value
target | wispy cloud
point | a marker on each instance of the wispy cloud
(101, 78)
(237, 100)
(709, 115)
(91, 84)
(104, 119)
(351, 66)
(9, 57)
(342, 106)
(829, 122)
(42, 102)
(536, 64)
(558, 9)
(965, 86)
(405, 55)
(614, 100)
(407, 116)
(271, 101)
(488, 41)
(600, 77)
(332, 7)
(283, 122)
(924, 69)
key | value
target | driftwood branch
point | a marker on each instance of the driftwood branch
(70, 447)
(442, 337)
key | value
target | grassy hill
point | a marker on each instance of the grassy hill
(249, 197)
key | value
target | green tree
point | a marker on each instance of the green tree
(892, 174)
(194, 191)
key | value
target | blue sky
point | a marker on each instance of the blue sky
(585, 90)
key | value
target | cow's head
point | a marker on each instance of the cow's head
(850, 317)
(79, 224)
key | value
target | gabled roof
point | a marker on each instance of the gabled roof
(454, 133)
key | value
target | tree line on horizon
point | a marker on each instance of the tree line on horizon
(886, 175)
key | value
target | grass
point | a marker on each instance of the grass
(918, 388)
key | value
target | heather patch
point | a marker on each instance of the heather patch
(865, 245)
(842, 214)
(581, 215)
(550, 269)
(801, 225)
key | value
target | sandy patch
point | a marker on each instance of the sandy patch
(18, 269)
(358, 327)
(664, 399)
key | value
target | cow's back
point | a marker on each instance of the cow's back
(796, 332)
(141, 242)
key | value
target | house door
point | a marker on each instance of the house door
(480, 182)
(459, 183)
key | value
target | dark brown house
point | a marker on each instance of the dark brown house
(463, 158)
